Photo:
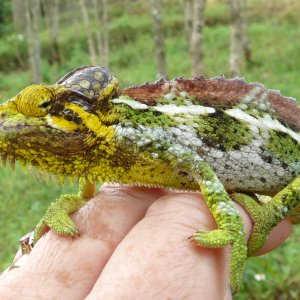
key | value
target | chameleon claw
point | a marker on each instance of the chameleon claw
(191, 238)
(26, 243)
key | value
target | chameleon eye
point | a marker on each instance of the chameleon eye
(35, 101)
(45, 104)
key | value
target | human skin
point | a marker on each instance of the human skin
(133, 244)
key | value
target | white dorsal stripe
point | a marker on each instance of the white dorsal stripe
(265, 122)
(133, 104)
(170, 109)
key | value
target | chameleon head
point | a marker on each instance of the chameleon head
(56, 127)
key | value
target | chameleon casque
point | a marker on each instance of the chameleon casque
(226, 138)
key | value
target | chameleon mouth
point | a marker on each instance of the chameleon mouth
(45, 137)
(42, 149)
(33, 169)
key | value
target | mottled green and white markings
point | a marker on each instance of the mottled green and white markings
(248, 153)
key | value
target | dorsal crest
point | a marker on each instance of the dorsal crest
(220, 92)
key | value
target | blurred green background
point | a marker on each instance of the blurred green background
(274, 35)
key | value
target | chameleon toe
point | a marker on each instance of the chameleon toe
(213, 239)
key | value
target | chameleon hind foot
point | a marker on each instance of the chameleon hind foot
(266, 216)
(262, 218)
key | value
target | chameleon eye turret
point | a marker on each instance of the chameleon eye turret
(210, 135)
(35, 101)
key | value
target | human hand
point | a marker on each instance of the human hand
(133, 244)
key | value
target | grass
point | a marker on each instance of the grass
(275, 44)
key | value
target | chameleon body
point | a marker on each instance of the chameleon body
(226, 138)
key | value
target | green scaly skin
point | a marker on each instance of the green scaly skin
(210, 135)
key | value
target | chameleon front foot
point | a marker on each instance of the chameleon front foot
(58, 214)
(57, 217)
(230, 224)
(213, 239)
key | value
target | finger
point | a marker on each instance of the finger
(157, 261)
(164, 264)
(56, 264)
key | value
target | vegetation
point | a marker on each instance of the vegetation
(275, 44)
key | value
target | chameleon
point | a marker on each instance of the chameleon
(226, 138)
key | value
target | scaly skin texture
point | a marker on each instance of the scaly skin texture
(217, 136)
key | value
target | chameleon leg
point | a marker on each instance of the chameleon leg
(57, 216)
(230, 225)
(267, 216)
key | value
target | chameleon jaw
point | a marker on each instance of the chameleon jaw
(30, 145)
